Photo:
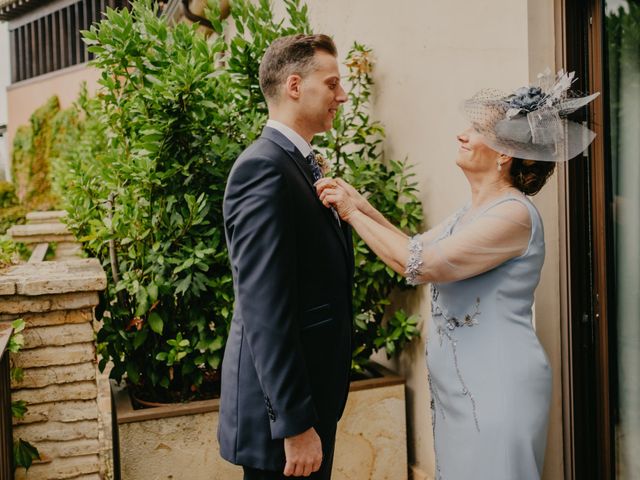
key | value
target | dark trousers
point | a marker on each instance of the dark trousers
(323, 474)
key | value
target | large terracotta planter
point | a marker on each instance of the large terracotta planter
(178, 442)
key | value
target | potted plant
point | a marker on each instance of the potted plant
(143, 177)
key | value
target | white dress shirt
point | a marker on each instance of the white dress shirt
(294, 137)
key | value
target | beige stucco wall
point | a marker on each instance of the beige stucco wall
(23, 98)
(432, 54)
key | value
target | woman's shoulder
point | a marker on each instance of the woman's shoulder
(517, 208)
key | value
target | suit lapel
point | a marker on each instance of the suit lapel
(301, 163)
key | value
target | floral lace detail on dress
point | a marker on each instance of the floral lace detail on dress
(416, 248)
(445, 330)
(414, 263)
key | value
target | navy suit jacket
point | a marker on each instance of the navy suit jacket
(288, 356)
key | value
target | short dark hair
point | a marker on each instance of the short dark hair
(529, 176)
(290, 55)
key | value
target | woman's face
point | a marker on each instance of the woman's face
(473, 154)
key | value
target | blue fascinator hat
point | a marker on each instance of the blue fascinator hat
(532, 122)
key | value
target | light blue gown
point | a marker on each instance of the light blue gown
(489, 376)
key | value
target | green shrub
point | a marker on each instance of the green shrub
(33, 146)
(10, 252)
(10, 216)
(145, 179)
(11, 212)
(142, 174)
(7, 195)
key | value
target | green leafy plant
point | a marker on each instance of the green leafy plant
(7, 194)
(11, 212)
(24, 453)
(142, 172)
(12, 252)
(33, 146)
(144, 188)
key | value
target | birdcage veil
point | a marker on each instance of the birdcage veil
(531, 123)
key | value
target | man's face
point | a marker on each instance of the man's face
(321, 94)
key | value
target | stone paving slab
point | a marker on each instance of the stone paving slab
(48, 278)
(70, 411)
(56, 317)
(58, 335)
(22, 304)
(57, 431)
(42, 377)
(39, 252)
(57, 393)
(70, 448)
(51, 216)
(41, 232)
(50, 356)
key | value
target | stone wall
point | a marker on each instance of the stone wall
(56, 300)
(371, 442)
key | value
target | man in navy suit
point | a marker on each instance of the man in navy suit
(285, 373)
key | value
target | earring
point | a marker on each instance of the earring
(499, 166)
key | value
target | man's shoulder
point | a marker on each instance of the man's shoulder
(260, 158)
(262, 148)
(263, 153)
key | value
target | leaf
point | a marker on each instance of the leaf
(153, 79)
(18, 409)
(183, 285)
(18, 325)
(143, 302)
(140, 338)
(155, 322)
(217, 344)
(17, 374)
(133, 372)
(152, 290)
(24, 454)
(213, 361)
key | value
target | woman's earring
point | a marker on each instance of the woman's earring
(499, 166)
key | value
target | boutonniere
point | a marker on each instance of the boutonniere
(323, 164)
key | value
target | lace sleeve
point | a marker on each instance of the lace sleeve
(416, 246)
(497, 235)
(414, 261)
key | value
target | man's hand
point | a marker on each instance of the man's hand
(303, 453)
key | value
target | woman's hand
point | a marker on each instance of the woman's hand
(335, 193)
(362, 203)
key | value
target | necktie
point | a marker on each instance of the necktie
(316, 171)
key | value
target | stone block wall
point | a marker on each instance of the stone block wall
(56, 301)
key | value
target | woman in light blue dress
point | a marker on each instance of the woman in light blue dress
(489, 376)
